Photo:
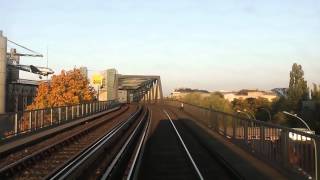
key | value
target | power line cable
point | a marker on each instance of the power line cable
(24, 47)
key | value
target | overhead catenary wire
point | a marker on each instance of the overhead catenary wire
(24, 47)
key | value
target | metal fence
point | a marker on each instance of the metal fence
(284, 148)
(13, 124)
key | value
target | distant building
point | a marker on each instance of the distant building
(84, 71)
(182, 92)
(109, 88)
(245, 94)
(20, 94)
(123, 96)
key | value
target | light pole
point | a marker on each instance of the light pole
(239, 111)
(314, 143)
(267, 110)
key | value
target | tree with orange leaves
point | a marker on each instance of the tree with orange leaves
(68, 88)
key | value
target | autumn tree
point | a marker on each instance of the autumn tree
(70, 87)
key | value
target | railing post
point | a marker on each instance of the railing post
(36, 119)
(87, 109)
(51, 116)
(72, 116)
(234, 127)
(16, 124)
(66, 113)
(41, 118)
(78, 110)
(224, 119)
(30, 120)
(262, 138)
(82, 106)
(59, 115)
(90, 108)
(215, 123)
(284, 147)
(245, 131)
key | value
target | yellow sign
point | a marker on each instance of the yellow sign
(97, 79)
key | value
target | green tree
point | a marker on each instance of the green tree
(259, 107)
(298, 89)
(315, 93)
(213, 100)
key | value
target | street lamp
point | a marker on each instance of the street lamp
(239, 111)
(296, 116)
(314, 143)
(267, 110)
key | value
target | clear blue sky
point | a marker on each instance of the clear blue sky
(213, 45)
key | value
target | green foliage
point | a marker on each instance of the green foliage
(213, 100)
(280, 118)
(259, 107)
(298, 89)
(315, 93)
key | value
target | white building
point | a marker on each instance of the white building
(109, 88)
(245, 94)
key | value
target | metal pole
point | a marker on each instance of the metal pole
(59, 114)
(30, 120)
(72, 116)
(51, 120)
(66, 112)
(82, 106)
(42, 118)
(249, 117)
(16, 123)
(314, 143)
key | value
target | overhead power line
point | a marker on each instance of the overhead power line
(24, 47)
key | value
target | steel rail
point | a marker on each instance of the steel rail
(72, 165)
(115, 161)
(185, 147)
(133, 172)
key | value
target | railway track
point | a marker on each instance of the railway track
(138, 147)
(172, 152)
(42, 162)
(127, 161)
(14, 154)
(110, 155)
